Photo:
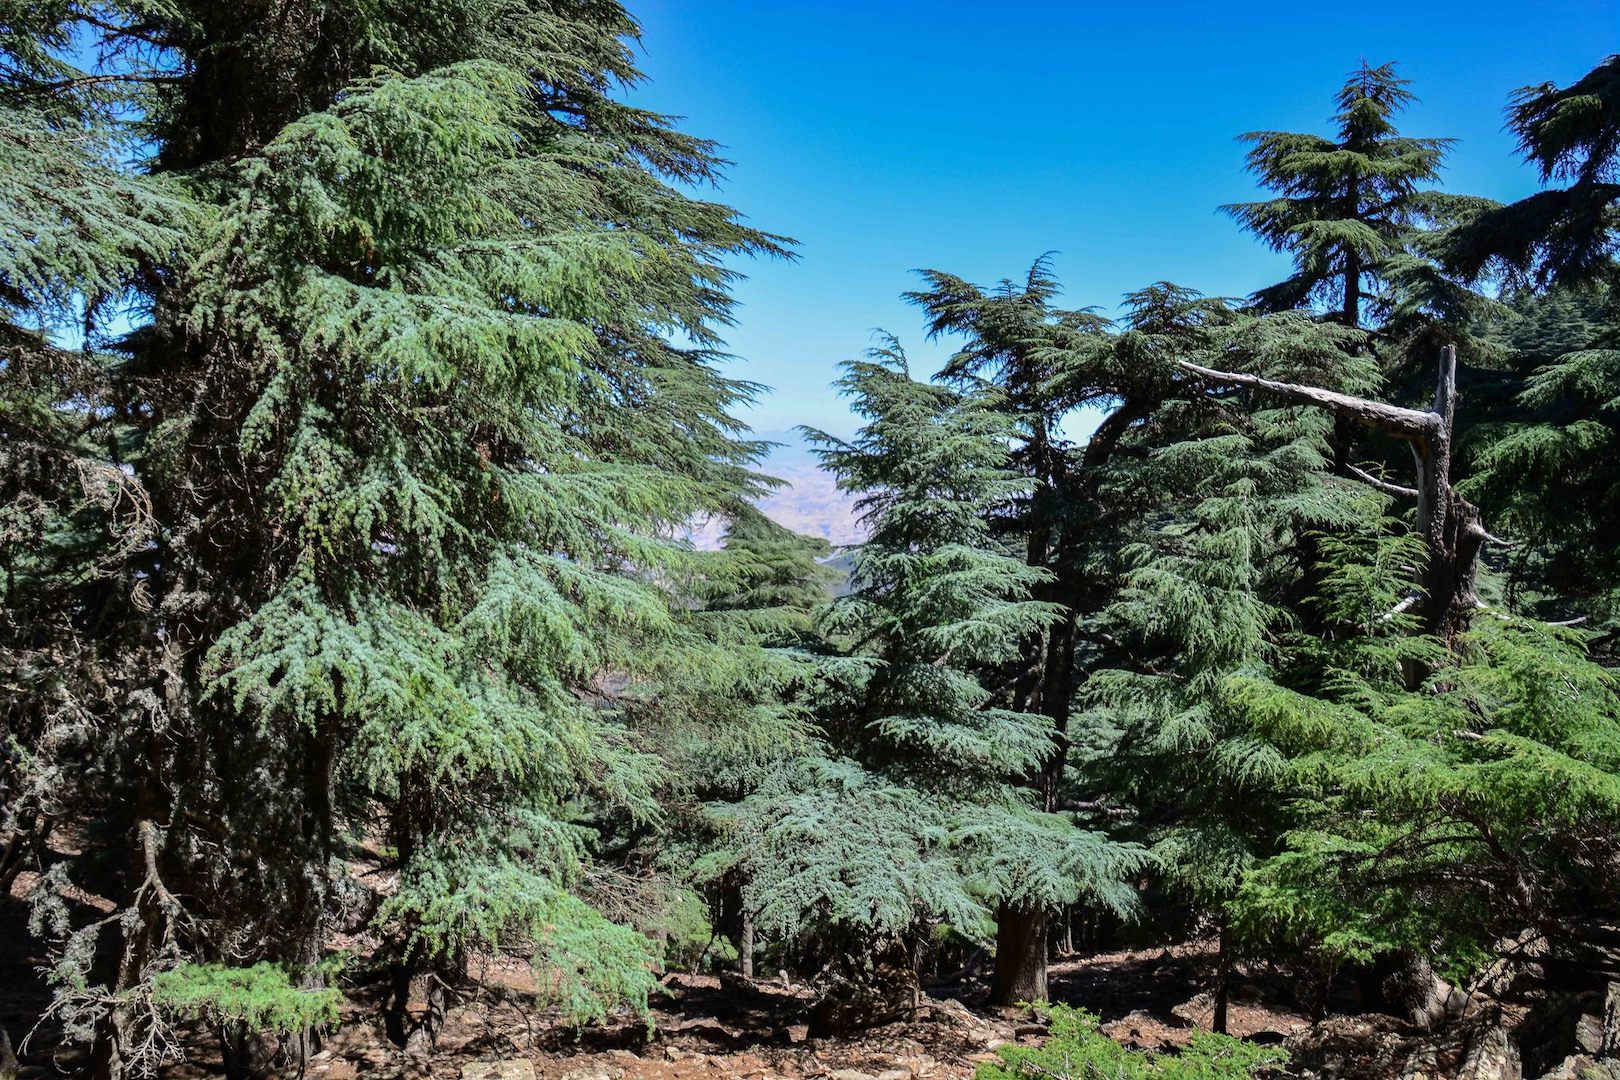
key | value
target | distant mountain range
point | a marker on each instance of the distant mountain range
(808, 503)
(812, 504)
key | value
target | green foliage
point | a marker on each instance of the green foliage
(1206, 590)
(827, 846)
(690, 940)
(1075, 1049)
(410, 276)
(1560, 235)
(909, 810)
(1542, 459)
(359, 380)
(1448, 816)
(261, 998)
(1345, 208)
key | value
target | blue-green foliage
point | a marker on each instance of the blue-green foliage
(1238, 485)
(415, 451)
(908, 809)
(1543, 460)
(1441, 816)
(1347, 208)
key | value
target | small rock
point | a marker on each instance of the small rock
(341, 1070)
(894, 1074)
(511, 1069)
(1589, 1034)
(849, 1074)
(918, 1064)
(1571, 1068)
(1195, 1013)
(798, 1032)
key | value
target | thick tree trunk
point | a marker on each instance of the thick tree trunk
(1411, 988)
(1056, 692)
(420, 1042)
(1450, 525)
(412, 982)
(1020, 956)
(307, 951)
(745, 949)
(245, 1054)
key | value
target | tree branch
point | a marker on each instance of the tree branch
(41, 89)
(1403, 606)
(1382, 485)
(1479, 531)
(1405, 422)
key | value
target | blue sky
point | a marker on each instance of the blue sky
(971, 137)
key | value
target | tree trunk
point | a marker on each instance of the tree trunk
(419, 1043)
(745, 950)
(1056, 693)
(1351, 313)
(1223, 980)
(1449, 524)
(309, 947)
(1413, 989)
(245, 1054)
(1020, 956)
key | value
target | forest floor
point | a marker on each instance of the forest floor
(708, 1026)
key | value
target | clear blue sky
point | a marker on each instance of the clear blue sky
(888, 135)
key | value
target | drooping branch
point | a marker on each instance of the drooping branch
(45, 89)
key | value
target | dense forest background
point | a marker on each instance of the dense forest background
(360, 387)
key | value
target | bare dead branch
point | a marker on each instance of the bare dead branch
(1408, 423)
(1404, 606)
(1382, 485)
(1479, 531)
